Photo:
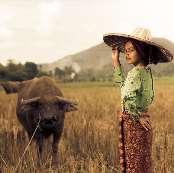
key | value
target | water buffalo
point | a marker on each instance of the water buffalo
(41, 101)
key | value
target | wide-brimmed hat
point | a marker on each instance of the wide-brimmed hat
(143, 35)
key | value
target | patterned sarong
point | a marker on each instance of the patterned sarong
(135, 146)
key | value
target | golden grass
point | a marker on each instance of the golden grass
(89, 142)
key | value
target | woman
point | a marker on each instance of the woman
(135, 131)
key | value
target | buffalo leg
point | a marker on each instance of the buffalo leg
(56, 138)
(39, 143)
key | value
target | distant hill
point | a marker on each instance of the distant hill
(98, 58)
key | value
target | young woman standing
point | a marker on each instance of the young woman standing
(135, 131)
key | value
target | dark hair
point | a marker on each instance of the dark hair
(144, 51)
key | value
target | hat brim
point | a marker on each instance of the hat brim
(118, 40)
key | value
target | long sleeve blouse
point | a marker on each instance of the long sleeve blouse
(136, 89)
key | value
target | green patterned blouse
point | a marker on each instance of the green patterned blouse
(136, 89)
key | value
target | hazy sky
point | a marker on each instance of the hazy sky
(46, 30)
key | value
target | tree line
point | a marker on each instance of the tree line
(69, 74)
(19, 72)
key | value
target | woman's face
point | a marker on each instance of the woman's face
(131, 53)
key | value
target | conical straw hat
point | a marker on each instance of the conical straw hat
(159, 52)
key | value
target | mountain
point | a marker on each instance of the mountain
(98, 58)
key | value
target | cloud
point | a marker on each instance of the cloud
(49, 14)
(45, 30)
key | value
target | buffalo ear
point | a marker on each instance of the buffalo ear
(10, 87)
(66, 104)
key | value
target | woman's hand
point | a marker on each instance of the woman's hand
(115, 57)
(145, 122)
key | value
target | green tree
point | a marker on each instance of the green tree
(31, 70)
(59, 73)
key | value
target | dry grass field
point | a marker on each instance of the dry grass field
(89, 140)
